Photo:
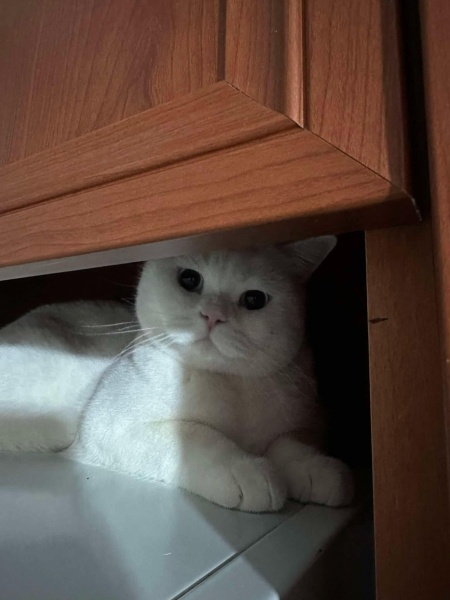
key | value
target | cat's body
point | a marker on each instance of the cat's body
(214, 397)
(50, 363)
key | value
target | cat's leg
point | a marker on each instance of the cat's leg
(310, 475)
(202, 460)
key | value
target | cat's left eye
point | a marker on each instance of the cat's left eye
(190, 280)
(254, 299)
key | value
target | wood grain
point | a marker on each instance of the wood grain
(264, 53)
(436, 51)
(20, 24)
(68, 68)
(408, 428)
(286, 176)
(211, 119)
(354, 83)
(286, 230)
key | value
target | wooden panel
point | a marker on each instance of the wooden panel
(73, 67)
(211, 119)
(408, 437)
(286, 176)
(264, 53)
(19, 32)
(353, 82)
(436, 46)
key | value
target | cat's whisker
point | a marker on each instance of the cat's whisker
(131, 348)
(130, 323)
(143, 340)
(120, 331)
(127, 301)
(128, 331)
(126, 351)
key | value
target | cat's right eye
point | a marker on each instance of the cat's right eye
(190, 280)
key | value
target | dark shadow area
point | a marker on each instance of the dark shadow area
(18, 296)
(346, 568)
(413, 99)
(337, 329)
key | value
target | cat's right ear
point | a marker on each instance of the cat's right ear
(306, 255)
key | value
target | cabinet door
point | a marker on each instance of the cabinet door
(137, 129)
(70, 67)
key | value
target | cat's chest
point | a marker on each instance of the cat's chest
(252, 413)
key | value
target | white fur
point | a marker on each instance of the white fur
(229, 414)
(50, 363)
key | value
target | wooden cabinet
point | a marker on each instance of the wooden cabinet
(131, 129)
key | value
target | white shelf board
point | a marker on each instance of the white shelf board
(76, 532)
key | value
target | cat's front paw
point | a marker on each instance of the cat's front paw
(261, 489)
(248, 483)
(320, 480)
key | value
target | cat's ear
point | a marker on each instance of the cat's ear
(307, 255)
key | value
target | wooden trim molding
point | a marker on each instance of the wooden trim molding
(270, 183)
(292, 175)
(208, 120)
(264, 53)
(354, 82)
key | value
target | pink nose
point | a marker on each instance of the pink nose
(213, 315)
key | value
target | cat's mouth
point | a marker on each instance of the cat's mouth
(206, 339)
(227, 349)
(208, 342)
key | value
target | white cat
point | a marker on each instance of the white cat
(215, 393)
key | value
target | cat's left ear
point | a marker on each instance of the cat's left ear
(307, 255)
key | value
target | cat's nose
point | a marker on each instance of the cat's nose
(213, 315)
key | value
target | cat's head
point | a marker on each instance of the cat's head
(238, 312)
